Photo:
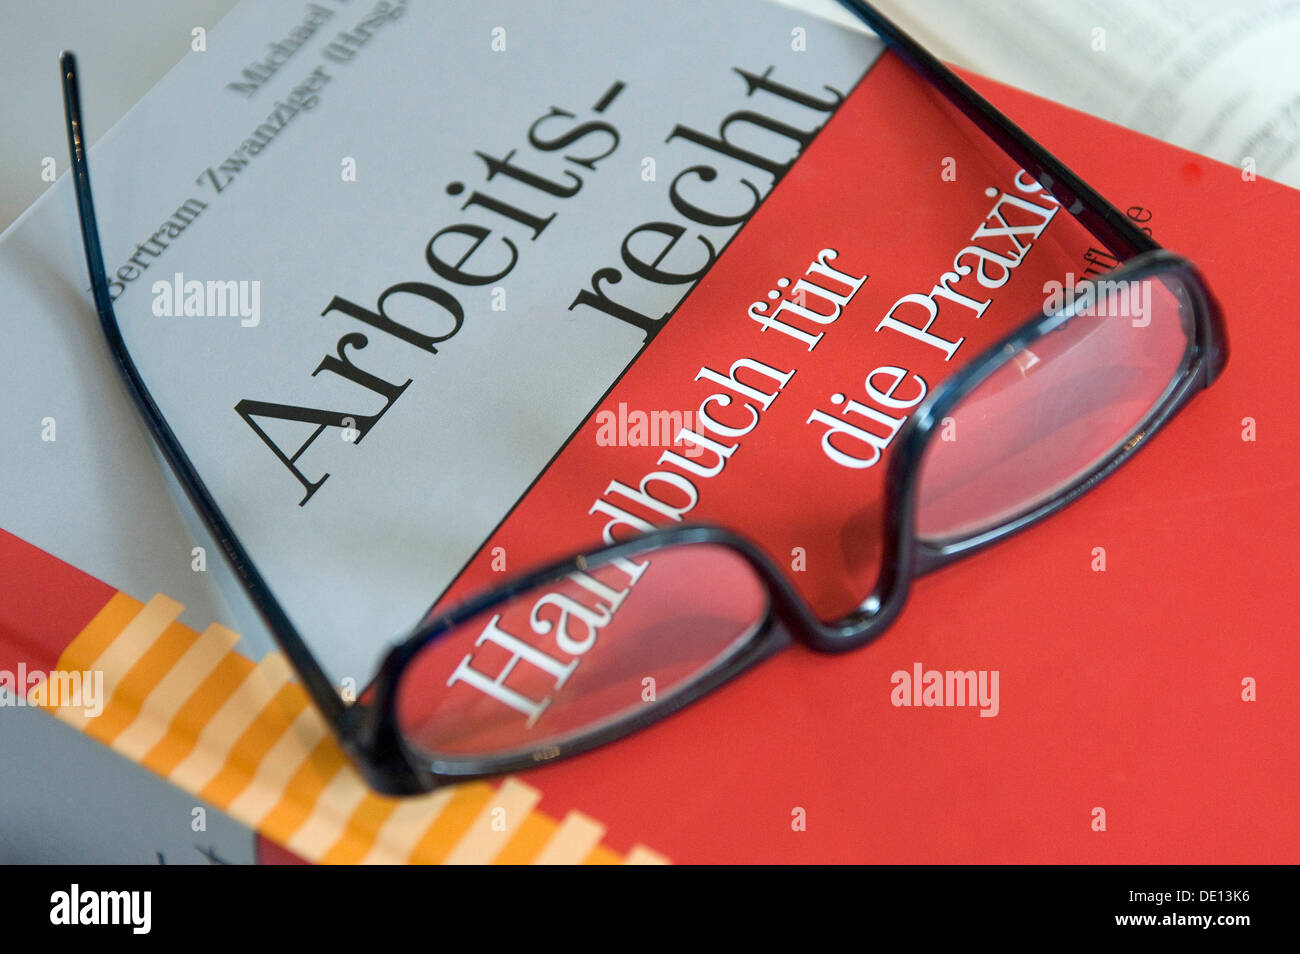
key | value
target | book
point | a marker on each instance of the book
(1210, 78)
(805, 758)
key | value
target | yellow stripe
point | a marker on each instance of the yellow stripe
(600, 855)
(91, 642)
(397, 837)
(117, 658)
(575, 839)
(248, 751)
(459, 813)
(529, 841)
(500, 818)
(135, 638)
(302, 792)
(168, 697)
(197, 711)
(124, 703)
(244, 738)
(641, 855)
(337, 802)
(236, 714)
(271, 779)
(362, 831)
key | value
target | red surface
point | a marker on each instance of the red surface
(269, 852)
(44, 604)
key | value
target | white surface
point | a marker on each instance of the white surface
(123, 47)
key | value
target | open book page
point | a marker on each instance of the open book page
(1217, 78)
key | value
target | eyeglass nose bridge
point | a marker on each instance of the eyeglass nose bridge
(869, 620)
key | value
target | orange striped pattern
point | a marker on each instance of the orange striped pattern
(245, 738)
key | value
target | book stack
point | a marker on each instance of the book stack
(495, 290)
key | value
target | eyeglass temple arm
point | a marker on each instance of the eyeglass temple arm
(1108, 223)
(286, 635)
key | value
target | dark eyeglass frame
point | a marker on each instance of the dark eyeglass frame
(367, 729)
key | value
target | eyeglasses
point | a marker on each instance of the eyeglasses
(596, 646)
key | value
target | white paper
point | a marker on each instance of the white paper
(1219, 78)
